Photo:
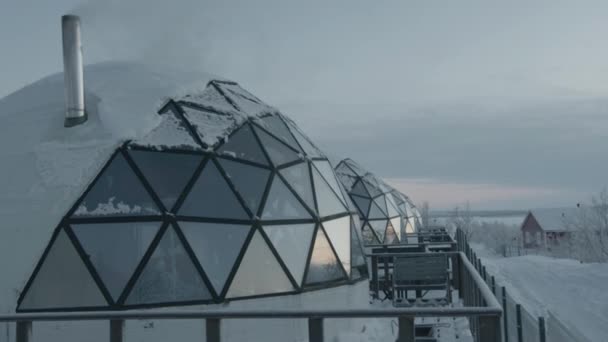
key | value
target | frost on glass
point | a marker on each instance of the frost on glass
(359, 189)
(327, 201)
(298, 176)
(292, 242)
(259, 272)
(362, 204)
(338, 231)
(249, 181)
(375, 212)
(169, 276)
(369, 238)
(278, 152)
(216, 247)
(328, 173)
(211, 196)
(282, 204)
(379, 228)
(115, 249)
(117, 192)
(63, 281)
(243, 145)
(276, 126)
(167, 173)
(391, 236)
(396, 222)
(324, 265)
(380, 201)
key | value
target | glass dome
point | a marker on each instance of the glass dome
(225, 199)
(383, 210)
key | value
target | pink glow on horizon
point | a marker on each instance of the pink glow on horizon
(447, 195)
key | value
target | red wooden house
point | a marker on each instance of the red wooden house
(547, 228)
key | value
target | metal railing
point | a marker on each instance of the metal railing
(489, 319)
(475, 294)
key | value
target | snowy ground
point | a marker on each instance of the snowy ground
(576, 293)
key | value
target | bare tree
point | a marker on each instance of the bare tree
(589, 229)
(462, 218)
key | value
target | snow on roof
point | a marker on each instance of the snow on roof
(47, 166)
(554, 219)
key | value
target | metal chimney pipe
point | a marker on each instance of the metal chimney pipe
(73, 71)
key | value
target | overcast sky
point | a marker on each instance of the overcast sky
(502, 104)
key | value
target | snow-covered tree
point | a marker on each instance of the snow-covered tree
(589, 229)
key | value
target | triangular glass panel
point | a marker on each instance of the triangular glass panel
(357, 254)
(298, 176)
(167, 173)
(310, 150)
(362, 205)
(379, 228)
(115, 249)
(211, 196)
(276, 126)
(259, 272)
(243, 145)
(292, 242)
(278, 151)
(375, 212)
(371, 188)
(391, 236)
(323, 266)
(328, 174)
(409, 226)
(63, 281)
(359, 190)
(369, 237)
(216, 247)
(117, 192)
(327, 201)
(381, 202)
(391, 206)
(338, 231)
(349, 203)
(343, 168)
(281, 203)
(169, 276)
(396, 222)
(249, 181)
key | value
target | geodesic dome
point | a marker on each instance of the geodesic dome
(224, 199)
(383, 219)
(409, 210)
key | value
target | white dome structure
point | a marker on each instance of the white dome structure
(385, 213)
(220, 197)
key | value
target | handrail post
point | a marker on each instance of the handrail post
(489, 328)
(541, 329)
(407, 331)
(494, 286)
(213, 329)
(504, 313)
(375, 277)
(315, 329)
(24, 331)
(116, 330)
(520, 333)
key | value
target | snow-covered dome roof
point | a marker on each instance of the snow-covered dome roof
(219, 197)
(384, 212)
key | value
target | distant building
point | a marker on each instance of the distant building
(547, 228)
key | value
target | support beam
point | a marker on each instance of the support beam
(213, 329)
(116, 330)
(315, 329)
(489, 329)
(24, 331)
(407, 332)
(541, 329)
(505, 321)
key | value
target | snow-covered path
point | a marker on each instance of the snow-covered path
(576, 293)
